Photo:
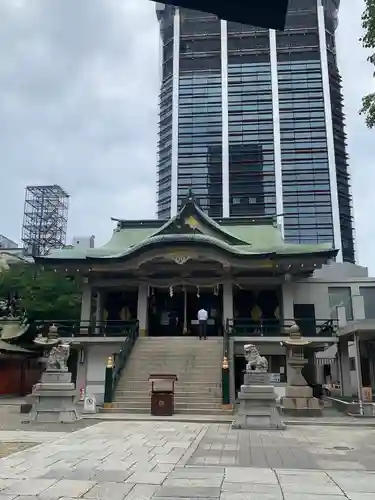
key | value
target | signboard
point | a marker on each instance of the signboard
(275, 378)
(89, 406)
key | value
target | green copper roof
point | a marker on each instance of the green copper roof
(12, 348)
(250, 237)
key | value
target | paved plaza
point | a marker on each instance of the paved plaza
(300, 447)
(171, 460)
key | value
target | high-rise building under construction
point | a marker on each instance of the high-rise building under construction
(252, 121)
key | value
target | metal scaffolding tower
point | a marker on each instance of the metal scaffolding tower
(45, 219)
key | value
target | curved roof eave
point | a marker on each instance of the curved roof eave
(181, 239)
(240, 251)
(208, 241)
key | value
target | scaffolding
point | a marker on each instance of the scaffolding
(45, 219)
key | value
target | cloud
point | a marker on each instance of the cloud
(358, 81)
(79, 107)
(79, 83)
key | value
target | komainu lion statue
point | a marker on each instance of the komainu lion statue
(255, 362)
(58, 357)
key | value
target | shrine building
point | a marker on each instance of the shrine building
(157, 274)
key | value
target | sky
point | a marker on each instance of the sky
(79, 84)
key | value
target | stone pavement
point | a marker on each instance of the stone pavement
(155, 460)
(11, 419)
(309, 447)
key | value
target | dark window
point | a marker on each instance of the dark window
(368, 294)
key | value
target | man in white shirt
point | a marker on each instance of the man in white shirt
(202, 321)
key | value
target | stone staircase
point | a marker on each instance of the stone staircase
(197, 364)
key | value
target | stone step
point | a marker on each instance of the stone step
(182, 343)
(145, 367)
(178, 405)
(184, 361)
(183, 376)
(199, 349)
(183, 373)
(202, 388)
(173, 345)
(186, 394)
(214, 393)
(166, 368)
(203, 379)
(204, 395)
(145, 403)
(146, 411)
(180, 339)
(188, 341)
(178, 398)
(197, 368)
(186, 356)
(202, 347)
(144, 384)
(140, 364)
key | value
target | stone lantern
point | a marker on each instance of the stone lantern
(298, 400)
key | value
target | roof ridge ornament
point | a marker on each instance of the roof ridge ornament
(190, 197)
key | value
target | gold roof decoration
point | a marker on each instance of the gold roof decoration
(192, 222)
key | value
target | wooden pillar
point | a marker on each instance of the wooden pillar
(142, 309)
(85, 308)
(287, 303)
(99, 312)
(227, 301)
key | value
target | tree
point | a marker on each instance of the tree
(44, 294)
(368, 42)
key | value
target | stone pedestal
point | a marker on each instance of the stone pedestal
(299, 402)
(54, 395)
(257, 407)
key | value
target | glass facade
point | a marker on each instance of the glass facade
(252, 188)
(339, 137)
(165, 116)
(224, 90)
(200, 111)
(304, 151)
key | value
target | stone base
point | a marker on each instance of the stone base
(302, 412)
(256, 378)
(257, 409)
(52, 416)
(54, 399)
(303, 407)
(299, 402)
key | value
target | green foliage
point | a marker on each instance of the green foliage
(44, 294)
(368, 42)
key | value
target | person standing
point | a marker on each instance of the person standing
(202, 323)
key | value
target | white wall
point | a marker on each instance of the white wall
(339, 271)
(313, 293)
(92, 374)
(315, 289)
